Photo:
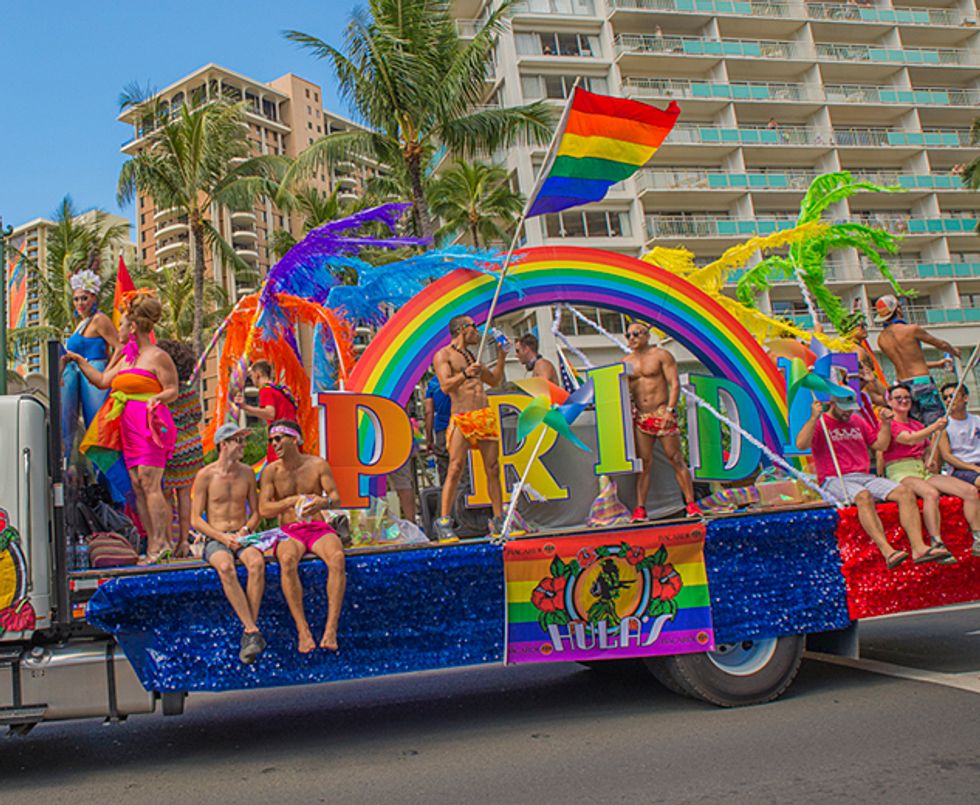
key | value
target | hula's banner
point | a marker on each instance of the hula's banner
(595, 597)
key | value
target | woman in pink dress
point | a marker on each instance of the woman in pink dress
(135, 419)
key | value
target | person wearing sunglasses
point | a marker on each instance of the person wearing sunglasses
(655, 388)
(904, 464)
(224, 508)
(472, 423)
(298, 489)
(959, 445)
(902, 343)
(851, 435)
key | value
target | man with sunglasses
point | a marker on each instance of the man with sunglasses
(472, 424)
(959, 445)
(224, 493)
(902, 343)
(655, 388)
(298, 488)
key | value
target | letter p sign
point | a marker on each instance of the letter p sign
(363, 436)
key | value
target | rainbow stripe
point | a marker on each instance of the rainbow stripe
(603, 140)
(17, 291)
(534, 565)
(403, 349)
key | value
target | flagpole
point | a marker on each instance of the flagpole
(542, 172)
(963, 375)
(516, 494)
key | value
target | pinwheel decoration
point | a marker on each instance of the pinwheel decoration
(554, 408)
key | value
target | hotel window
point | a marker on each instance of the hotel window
(535, 87)
(556, 44)
(593, 224)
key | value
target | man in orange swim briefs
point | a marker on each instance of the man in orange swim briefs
(473, 425)
(655, 388)
(297, 488)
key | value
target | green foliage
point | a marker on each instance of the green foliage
(199, 158)
(476, 198)
(417, 87)
(174, 285)
(808, 256)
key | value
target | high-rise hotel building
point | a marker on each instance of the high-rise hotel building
(772, 94)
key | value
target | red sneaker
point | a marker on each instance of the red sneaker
(639, 514)
(693, 510)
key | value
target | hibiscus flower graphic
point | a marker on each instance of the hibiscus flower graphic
(635, 555)
(666, 582)
(549, 594)
(586, 557)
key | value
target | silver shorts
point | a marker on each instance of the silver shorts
(879, 488)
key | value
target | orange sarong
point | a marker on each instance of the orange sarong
(475, 426)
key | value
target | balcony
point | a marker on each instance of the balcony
(171, 228)
(243, 215)
(710, 90)
(551, 8)
(243, 233)
(911, 181)
(796, 180)
(467, 29)
(719, 7)
(165, 213)
(828, 51)
(709, 226)
(915, 270)
(745, 135)
(697, 46)
(905, 16)
(930, 96)
(171, 248)
(907, 225)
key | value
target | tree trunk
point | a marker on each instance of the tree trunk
(414, 161)
(197, 250)
(475, 232)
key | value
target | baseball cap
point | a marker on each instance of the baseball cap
(226, 431)
(885, 307)
(848, 403)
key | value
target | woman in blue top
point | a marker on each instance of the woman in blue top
(94, 339)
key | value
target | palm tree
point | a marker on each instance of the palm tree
(174, 283)
(196, 161)
(316, 208)
(73, 244)
(416, 86)
(476, 197)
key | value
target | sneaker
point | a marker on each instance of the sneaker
(444, 530)
(936, 542)
(639, 514)
(496, 526)
(693, 510)
(253, 644)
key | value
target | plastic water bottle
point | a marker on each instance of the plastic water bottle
(500, 338)
(70, 558)
(81, 554)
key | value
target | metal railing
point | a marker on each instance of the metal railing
(832, 51)
(571, 8)
(713, 226)
(754, 8)
(746, 135)
(702, 46)
(707, 90)
(659, 179)
(865, 93)
(903, 16)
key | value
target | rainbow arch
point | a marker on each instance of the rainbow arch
(398, 356)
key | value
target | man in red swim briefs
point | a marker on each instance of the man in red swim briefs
(297, 488)
(655, 388)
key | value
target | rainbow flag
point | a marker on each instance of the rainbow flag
(630, 593)
(602, 141)
(124, 284)
(17, 303)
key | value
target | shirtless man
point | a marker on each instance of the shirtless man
(225, 492)
(655, 388)
(902, 343)
(526, 350)
(297, 488)
(472, 425)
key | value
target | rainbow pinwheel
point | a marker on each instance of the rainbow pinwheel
(554, 407)
(815, 378)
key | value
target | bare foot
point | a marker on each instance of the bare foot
(329, 640)
(183, 550)
(306, 643)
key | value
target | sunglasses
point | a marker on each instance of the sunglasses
(239, 439)
(901, 399)
(636, 333)
(278, 438)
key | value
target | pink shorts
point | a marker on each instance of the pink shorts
(307, 534)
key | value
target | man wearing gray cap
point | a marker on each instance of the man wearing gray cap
(226, 494)
(902, 343)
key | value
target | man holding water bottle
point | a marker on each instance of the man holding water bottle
(473, 424)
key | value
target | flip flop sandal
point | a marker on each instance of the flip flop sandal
(895, 558)
(932, 555)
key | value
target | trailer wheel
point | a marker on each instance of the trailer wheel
(663, 673)
(748, 672)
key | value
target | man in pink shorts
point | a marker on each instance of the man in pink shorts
(297, 488)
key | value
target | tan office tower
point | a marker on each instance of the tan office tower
(771, 95)
(284, 117)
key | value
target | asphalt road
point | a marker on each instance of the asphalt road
(541, 734)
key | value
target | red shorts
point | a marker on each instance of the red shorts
(307, 534)
(653, 425)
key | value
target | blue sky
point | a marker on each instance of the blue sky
(64, 63)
